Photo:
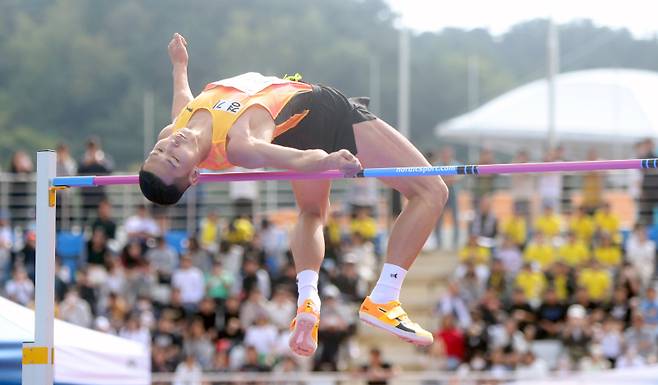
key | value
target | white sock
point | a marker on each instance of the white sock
(389, 284)
(307, 287)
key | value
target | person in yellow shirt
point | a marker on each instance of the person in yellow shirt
(472, 251)
(561, 278)
(582, 225)
(574, 252)
(240, 231)
(210, 231)
(515, 228)
(364, 224)
(540, 251)
(607, 222)
(549, 222)
(596, 280)
(607, 253)
(532, 282)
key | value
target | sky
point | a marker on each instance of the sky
(498, 15)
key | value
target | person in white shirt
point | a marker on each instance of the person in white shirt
(189, 280)
(20, 288)
(281, 309)
(452, 303)
(188, 372)
(75, 309)
(141, 225)
(163, 258)
(262, 335)
(135, 331)
(641, 252)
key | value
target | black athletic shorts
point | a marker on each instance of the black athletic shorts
(328, 124)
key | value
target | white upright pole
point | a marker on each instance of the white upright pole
(38, 356)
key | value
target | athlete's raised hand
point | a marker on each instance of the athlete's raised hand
(177, 50)
(344, 161)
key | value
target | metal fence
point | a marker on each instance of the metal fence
(17, 194)
(17, 197)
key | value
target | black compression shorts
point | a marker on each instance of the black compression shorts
(328, 124)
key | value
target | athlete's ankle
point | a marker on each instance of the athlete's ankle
(389, 284)
(307, 288)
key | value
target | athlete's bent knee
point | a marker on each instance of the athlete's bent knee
(314, 210)
(434, 193)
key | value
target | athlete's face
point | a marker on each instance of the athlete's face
(174, 158)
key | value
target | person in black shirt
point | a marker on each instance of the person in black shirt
(619, 307)
(94, 162)
(166, 336)
(174, 309)
(27, 256)
(252, 362)
(476, 340)
(347, 281)
(520, 310)
(97, 248)
(376, 371)
(208, 314)
(550, 315)
(104, 220)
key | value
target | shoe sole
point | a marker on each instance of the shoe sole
(406, 336)
(301, 341)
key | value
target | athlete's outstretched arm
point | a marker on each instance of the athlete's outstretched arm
(250, 146)
(179, 59)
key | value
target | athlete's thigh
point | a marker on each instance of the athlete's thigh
(380, 145)
(312, 195)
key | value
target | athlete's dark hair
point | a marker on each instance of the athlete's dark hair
(157, 191)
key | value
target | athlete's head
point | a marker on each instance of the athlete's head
(170, 168)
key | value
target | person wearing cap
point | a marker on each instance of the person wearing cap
(338, 323)
(576, 335)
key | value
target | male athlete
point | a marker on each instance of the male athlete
(255, 121)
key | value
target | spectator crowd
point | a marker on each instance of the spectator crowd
(563, 287)
(220, 301)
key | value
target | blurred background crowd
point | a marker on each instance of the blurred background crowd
(546, 278)
(219, 299)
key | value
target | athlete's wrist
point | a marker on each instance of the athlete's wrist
(179, 68)
(314, 160)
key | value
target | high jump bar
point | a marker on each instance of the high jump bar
(386, 172)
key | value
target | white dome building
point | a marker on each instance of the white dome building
(607, 108)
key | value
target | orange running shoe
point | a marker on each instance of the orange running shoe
(393, 319)
(304, 327)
